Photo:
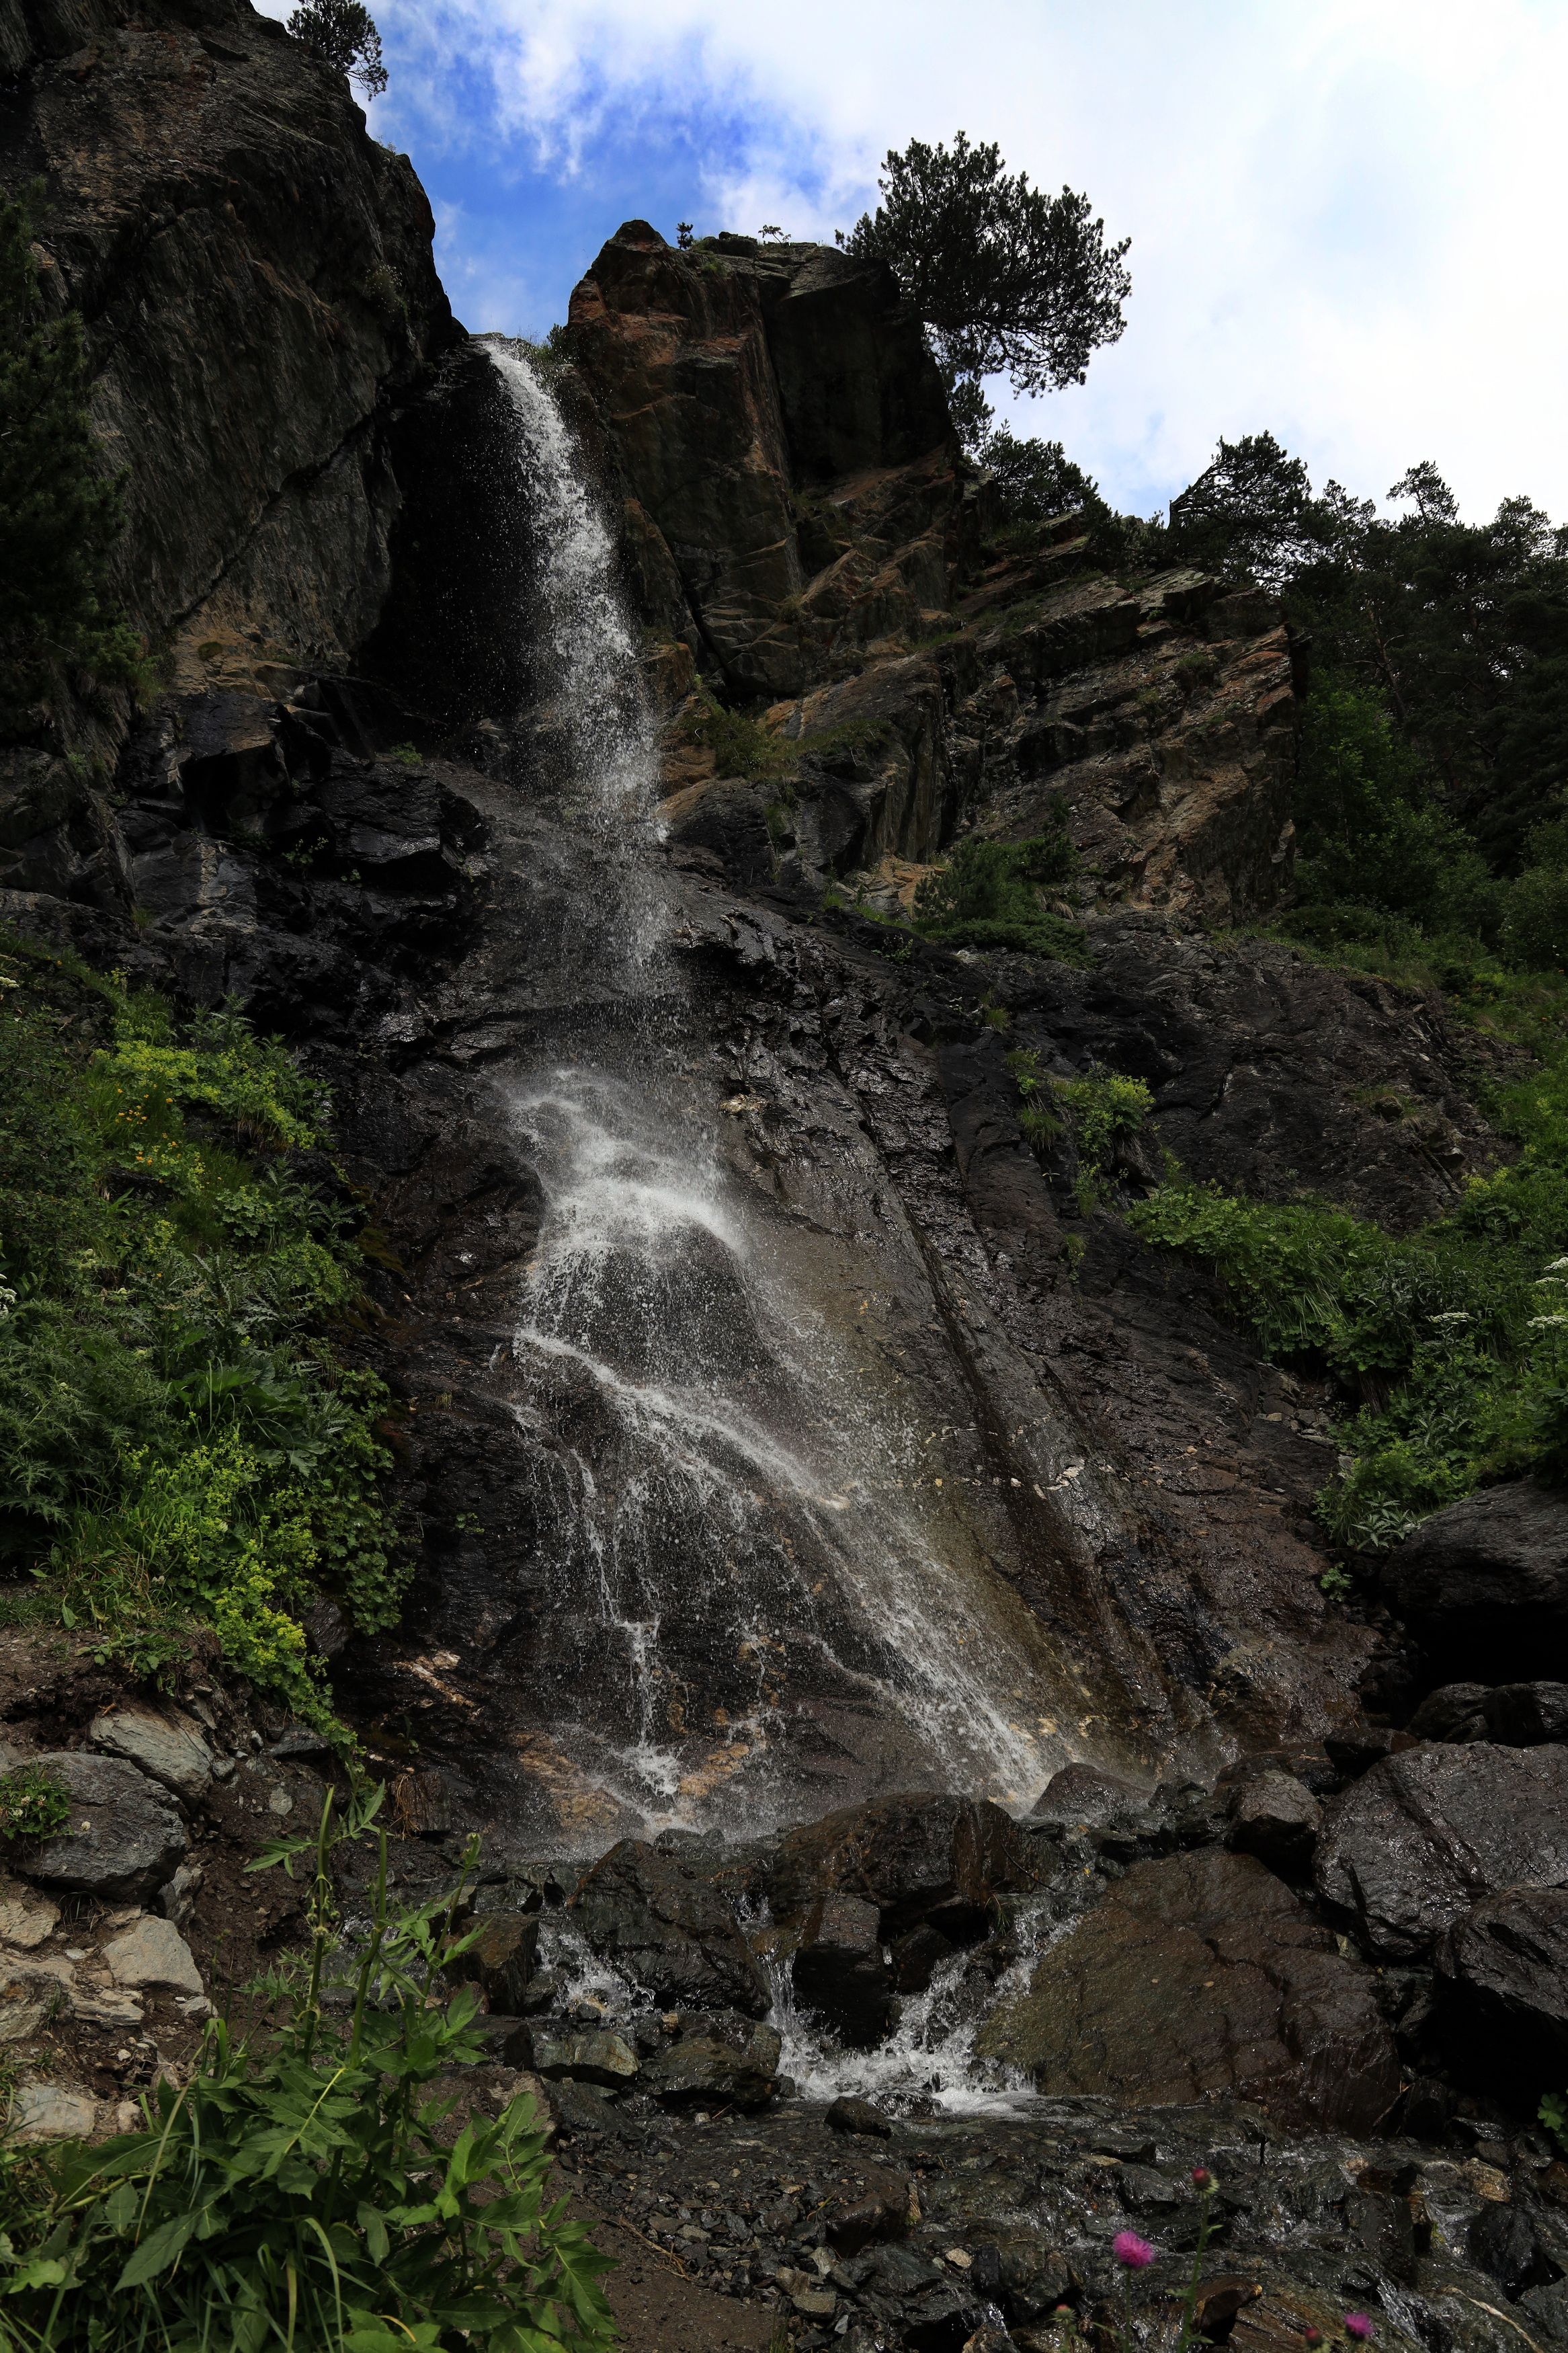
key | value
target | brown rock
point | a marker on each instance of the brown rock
(1274, 1818)
(926, 1856)
(1200, 1975)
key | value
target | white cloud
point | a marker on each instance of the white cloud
(1346, 221)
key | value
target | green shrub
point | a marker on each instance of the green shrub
(179, 1447)
(297, 2192)
(1455, 1334)
(33, 1804)
(988, 896)
(741, 747)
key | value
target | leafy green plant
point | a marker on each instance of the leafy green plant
(33, 1804)
(1103, 1106)
(988, 896)
(298, 2191)
(1554, 2114)
(741, 747)
(180, 1448)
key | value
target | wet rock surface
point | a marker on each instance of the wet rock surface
(1201, 1974)
(1422, 1835)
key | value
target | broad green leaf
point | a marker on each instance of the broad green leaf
(156, 2253)
(374, 2229)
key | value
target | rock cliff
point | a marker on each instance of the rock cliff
(939, 1412)
(796, 514)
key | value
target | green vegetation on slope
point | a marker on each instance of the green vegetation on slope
(989, 895)
(180, 1447)
(1456, 1335)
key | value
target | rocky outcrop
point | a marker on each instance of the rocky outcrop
(795, 512)
(255, 274)
(759, 399)
(1197, 1976)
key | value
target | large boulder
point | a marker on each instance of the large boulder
(1518, 1716)
(924, 1856)
(1425, 1834)
(838, 1969)
(126, 1835)
(1200, 1976)
(718, 2057)
(1503, 1970)
(669, 1931)
(1485, 1583)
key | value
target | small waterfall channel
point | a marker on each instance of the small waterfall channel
(758, 1606)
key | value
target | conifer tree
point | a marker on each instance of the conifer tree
(345, 33)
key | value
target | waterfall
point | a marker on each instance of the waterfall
(759, 1602)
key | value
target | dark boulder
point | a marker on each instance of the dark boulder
(839, 1971)
(1516, 1715)
(1453, 1711)
(1081, 1797)
(1200, 1976)
(669, 1931)
(1274, 1818)
(917, 1957)
(1503, 1970)
(717, 2056)
(924, 1856)
(1425, 1834)
(1485, 1583)
(1527, 1716)
(125, 1837)
(1504, 2242)
(503, 1959)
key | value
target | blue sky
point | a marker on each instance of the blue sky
(1347, 221)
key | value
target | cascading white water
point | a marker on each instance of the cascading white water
(758, 1608)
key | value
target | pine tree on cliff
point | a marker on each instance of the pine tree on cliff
(60, 514)
(1005, 276)
(345, 33)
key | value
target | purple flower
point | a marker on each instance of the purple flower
(1135, 2253)
(1358, 2325)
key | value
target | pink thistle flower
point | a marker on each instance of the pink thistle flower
(1358, 2325)
(1313, 2336)
(1202, 2177)
(1136, 2252)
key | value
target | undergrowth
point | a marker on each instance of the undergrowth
(1455, 1336)
(181, 1449)
(989, 895)
(297, 2192)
